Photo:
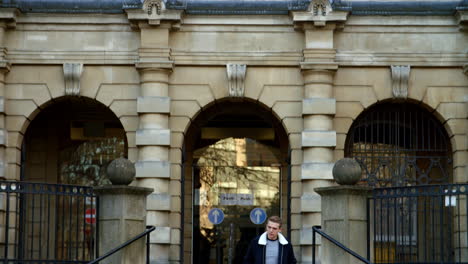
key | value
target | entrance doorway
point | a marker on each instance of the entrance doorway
(237, 168)
(66, 147)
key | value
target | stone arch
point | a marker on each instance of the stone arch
(232, 114)
(403, 132)
(80, 125)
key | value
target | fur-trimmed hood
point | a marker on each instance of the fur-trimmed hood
(263, 239)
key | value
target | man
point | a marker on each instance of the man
(271, 247)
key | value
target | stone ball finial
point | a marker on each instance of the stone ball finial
(347, 171)
(121, 171)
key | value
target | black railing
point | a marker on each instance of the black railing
(317, 229)
(146, 233)
(419, 224)
(47, 223)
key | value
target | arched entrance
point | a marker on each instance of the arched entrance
(66, 147)
(236, 159)
(405, 153)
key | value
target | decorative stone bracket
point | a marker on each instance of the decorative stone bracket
(400, 79)
(72, 74)
(154, 12)
(236, 77)
(320, 13)
(462, 19)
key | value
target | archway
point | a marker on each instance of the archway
(405, 153)
(66, 147)
(236, 159)
(400, 144)
(71, 141)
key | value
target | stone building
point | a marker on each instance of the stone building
(233, 105)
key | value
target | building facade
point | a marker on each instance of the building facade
(233, 105)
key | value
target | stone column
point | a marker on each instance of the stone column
(4, 68)
(319, 107)
(153, 167)
(153, 136)
(122, 214)
(318, 136)
(344, 214)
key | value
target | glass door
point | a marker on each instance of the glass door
(232, 176)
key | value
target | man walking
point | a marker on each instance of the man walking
(270, 247)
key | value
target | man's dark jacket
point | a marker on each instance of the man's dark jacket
(257, 251)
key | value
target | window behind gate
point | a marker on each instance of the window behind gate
(400, 144)
(401, 148)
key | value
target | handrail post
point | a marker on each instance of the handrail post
(313, 246)
(148, 248)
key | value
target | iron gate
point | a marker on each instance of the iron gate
(419, 224)
(47, 223)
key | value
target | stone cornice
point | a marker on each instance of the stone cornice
(235, 7)
(407, 7)
(8, 16)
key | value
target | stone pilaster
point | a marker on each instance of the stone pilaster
(152, 167)
(318, 143)
(318, 110)
(153, 137)
(4, 68)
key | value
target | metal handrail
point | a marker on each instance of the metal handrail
(316, 229)
(148, 230)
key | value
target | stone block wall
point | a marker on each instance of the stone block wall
(158, 76)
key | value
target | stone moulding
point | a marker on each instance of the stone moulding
(410, 7)
(234, 7)
(79, 6)
(72, 74)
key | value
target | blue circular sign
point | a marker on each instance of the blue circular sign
(258, 216)
(216, 216)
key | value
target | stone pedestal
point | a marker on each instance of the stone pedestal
(344, 218)
(122, 216)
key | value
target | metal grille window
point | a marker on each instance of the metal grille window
(400, 144)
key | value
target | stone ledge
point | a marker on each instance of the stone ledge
(153, 169)
(316, 138)
(121, 189)
(158, 202)
(325, 106)
(344, 189)
(319, 171)
(153, 137)
(153, 104)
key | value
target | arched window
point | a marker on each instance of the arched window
(400, 144)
